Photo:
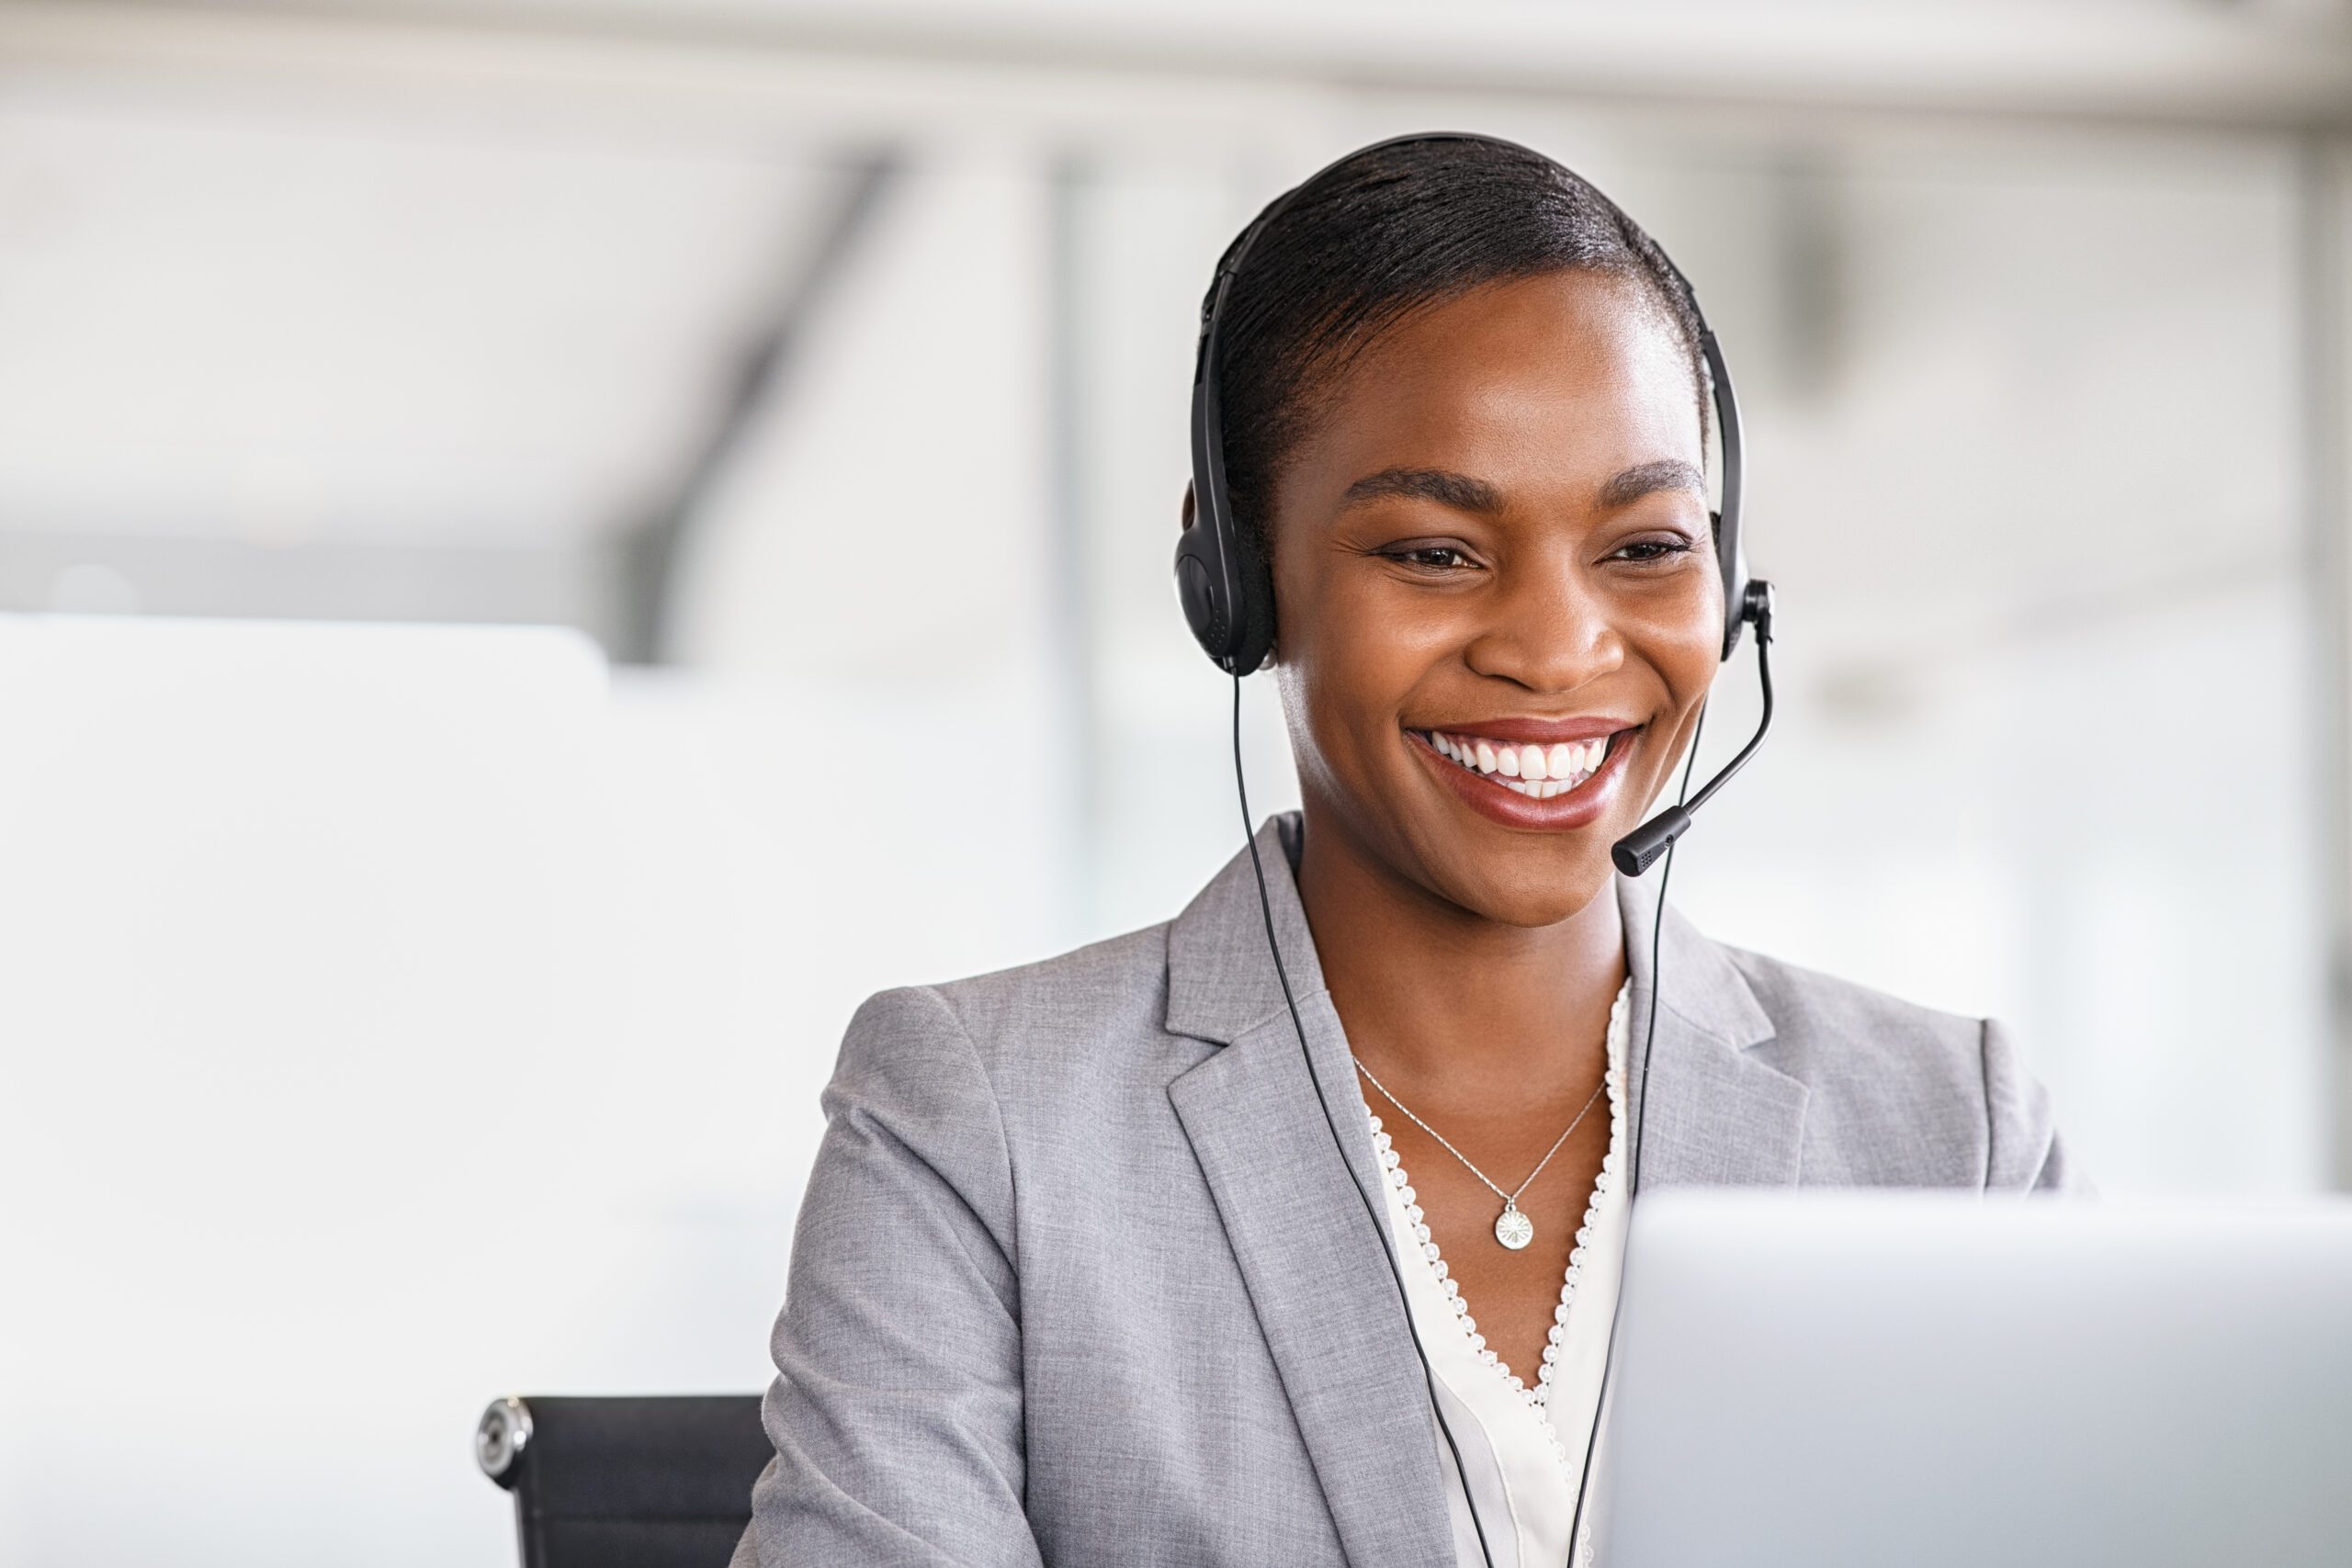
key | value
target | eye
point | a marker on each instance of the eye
(1430, 557)
(1652, 549)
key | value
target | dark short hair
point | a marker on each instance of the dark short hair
(1380, 236)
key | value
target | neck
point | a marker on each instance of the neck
(1445, 1004)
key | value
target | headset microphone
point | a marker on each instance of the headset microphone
(1638, 850)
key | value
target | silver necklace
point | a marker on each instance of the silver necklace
(1512, 1228)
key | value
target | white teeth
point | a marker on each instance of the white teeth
(1538, 772)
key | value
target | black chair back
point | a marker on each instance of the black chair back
(655, 1482)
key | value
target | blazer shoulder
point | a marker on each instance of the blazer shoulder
(1077, 1000)
(1909, 1093)
(1810, 1005)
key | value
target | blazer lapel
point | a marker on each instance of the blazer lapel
(1721, 1115)
(1317, 1268)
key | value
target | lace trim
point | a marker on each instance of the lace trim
(1538, 1396)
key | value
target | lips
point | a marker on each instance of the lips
(1510, 771)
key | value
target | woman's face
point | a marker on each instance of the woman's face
(1495, 543)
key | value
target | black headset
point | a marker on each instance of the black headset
(1228, 592)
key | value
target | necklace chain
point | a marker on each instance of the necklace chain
(1510, 1199)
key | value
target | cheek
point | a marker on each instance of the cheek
(1682, 635)
(1689, 660)
(1356, 673)
(1678, 647)
(1345, 673)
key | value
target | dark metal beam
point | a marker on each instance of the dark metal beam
(651, 552)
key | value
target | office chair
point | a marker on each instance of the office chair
(663, 1483)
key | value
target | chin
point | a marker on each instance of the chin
(1537, 891)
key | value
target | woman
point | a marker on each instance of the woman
(1079, 1276)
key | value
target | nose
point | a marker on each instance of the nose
(1547, 629)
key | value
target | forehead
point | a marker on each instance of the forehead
(1540, 385)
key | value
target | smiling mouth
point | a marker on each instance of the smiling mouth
(1539, 773)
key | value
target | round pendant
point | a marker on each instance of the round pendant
(1512, 1228)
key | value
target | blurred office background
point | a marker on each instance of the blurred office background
(546, 548)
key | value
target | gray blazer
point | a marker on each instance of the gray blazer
(1077, 1278)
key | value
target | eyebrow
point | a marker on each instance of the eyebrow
(1647, 478)
(1459, 492)
(1464, 493)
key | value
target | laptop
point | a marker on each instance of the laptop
(1862, 1380)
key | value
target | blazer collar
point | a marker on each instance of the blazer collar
(1221, 981)
(1318, 1271)
(1723, 1115)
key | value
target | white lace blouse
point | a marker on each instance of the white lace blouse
(1522, 1436)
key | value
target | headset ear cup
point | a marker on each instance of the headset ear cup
(1254, 616)
(1196, 591)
